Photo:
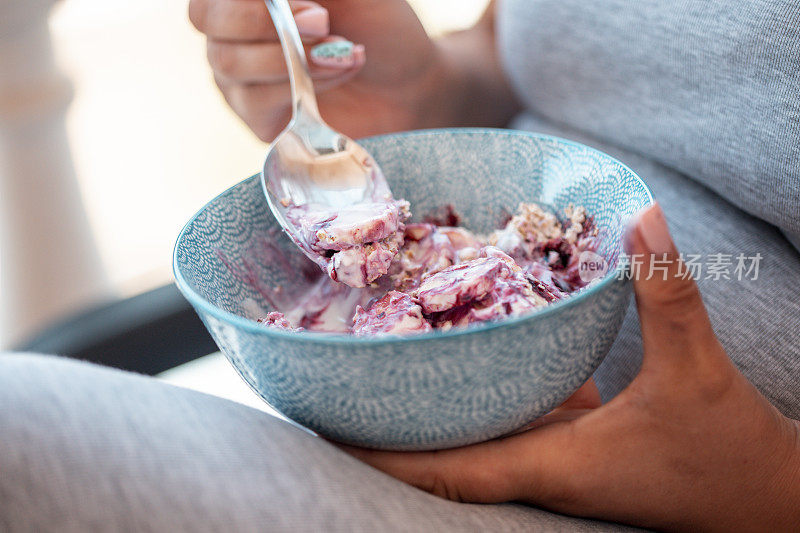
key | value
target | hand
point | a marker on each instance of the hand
(406, 83)
(689, 444)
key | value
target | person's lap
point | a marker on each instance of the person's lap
(88, 448)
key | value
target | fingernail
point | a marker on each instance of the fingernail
(313, 22)
(654, 231)
(335, 54)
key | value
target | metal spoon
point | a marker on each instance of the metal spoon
(310, 164)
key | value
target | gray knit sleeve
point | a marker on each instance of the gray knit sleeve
(710, 88)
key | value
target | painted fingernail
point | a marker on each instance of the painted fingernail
(313, 22)
(654, 231)
(336, 54)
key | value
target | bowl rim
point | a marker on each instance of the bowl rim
(199, 302)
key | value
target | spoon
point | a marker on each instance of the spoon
(310, 166)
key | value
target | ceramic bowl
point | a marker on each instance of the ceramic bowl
(434, 390)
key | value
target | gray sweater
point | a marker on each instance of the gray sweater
(702, 98)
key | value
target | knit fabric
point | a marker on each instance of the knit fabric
(702, 99)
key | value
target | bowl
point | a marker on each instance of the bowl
(434, 390)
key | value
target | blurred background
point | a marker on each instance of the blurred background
(112, 134)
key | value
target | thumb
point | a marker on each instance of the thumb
(673, 319)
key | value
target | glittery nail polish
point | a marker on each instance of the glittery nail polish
(336, 54)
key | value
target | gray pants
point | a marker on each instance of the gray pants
(86, 448)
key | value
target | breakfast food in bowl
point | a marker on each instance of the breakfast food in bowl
(436, 277)
(436, 356)
(357, 243)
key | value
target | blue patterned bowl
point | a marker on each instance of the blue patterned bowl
(439, 389)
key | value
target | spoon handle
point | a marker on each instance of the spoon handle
(303, 100)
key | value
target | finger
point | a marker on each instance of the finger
(249, 20)
(671, 311)
(559, 414)
(535, 466)
(586, 397)
(337, 53)
(581, 402)
(265, 108)
(263, 62)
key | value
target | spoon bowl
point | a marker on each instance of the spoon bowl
(309, 163)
